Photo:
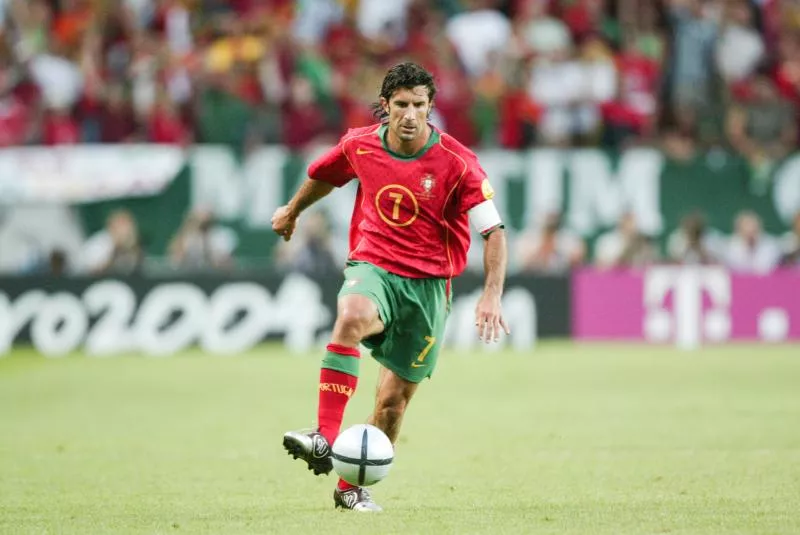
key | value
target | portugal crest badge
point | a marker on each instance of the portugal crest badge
(427, 183)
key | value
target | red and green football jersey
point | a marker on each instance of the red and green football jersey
(410, 215)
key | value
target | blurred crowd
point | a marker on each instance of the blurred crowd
(683, 75)
(198, 245)
(748, 249)
(511, 73)
(201, 244)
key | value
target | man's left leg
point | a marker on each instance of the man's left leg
(391, 400)
(407, 353)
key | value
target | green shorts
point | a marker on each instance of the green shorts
(413, 312)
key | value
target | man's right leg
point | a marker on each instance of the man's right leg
(357, 318)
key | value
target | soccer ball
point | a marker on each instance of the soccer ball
(362, 455)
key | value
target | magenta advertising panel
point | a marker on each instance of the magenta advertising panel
(686, 304)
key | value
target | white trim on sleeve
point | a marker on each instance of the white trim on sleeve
(484, 217)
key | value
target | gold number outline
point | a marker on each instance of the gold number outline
(410, 196)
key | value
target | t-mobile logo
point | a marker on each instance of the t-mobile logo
(700, 305)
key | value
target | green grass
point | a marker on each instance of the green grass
(569, 439)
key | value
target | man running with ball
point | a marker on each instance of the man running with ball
(419, 190)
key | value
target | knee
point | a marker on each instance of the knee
(354, 322)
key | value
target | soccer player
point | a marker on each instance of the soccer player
(419, 189)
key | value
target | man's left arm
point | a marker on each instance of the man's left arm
(486, 220)
(476, 198)
(488, 314)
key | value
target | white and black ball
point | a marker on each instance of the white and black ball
(362, 455)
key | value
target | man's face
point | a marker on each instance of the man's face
(122, 229)
(552, 222)
(627, 224)
(749, 228)
(408, 111)
(741, 14)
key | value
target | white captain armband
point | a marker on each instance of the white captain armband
(485, 218)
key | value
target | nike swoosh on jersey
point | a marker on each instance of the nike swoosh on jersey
(361, 151)
(417, 365)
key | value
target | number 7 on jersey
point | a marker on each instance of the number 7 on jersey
(424, 353)
(398, 198)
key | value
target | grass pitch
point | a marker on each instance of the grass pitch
(569, 439)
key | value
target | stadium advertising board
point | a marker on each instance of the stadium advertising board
(158, 184)
(686, 305)
(591, 188)
(228, 315)
(86, 173)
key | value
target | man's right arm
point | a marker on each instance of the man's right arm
(331, 170)
(310, 192)
(285, 217)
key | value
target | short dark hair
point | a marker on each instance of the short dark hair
(403, 76)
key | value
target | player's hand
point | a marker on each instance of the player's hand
(283, 222)
(489, 318)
